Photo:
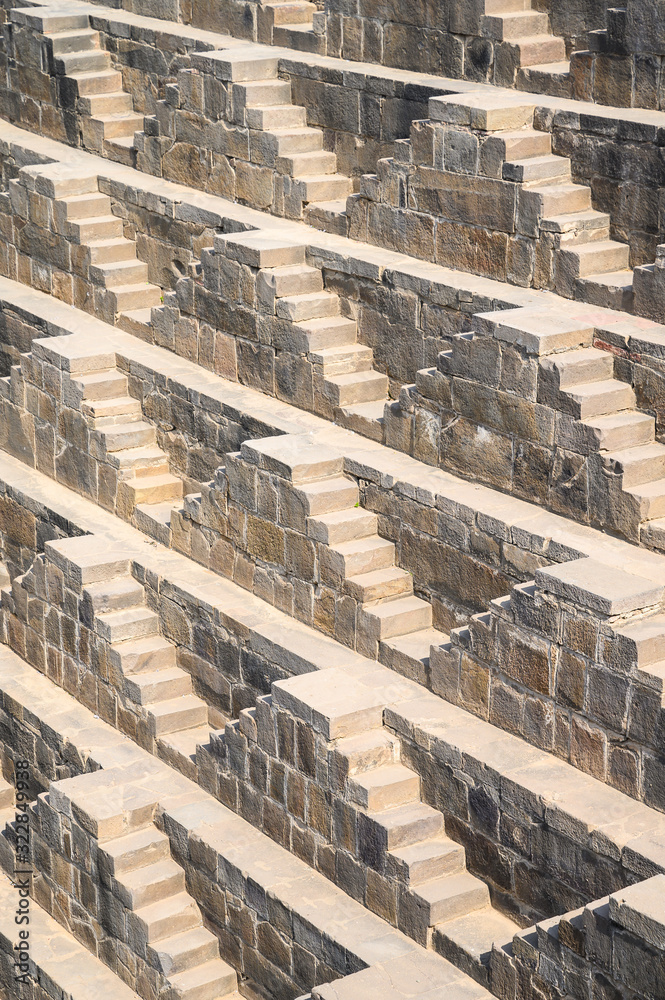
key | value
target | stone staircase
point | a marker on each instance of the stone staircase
(524, 34)
(88, 83)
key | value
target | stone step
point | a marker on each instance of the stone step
(343, 360)
(515, 25)
(326, 187)
(52, 21)
(165, 918)
(650, 498)
(384, 787)
(293, 279)
(212, 980)
(539, 49)
(595, 257)
(618, 431)
(398, 616)
(154, 519)
(298, 140)
(115, 595)
(379, 585)
(123, 437)
(127, 623)
(578, 227)
(612, 290)
(113, 103)
(409, 654)
(363, 418)
(506, 6)
(292, 13)
(151, 489)
(349, 559)
(425, 861)
(121, 125)
(376, 748)
(637, 465)
(558, 199)
(88, 230)
(138, 322)
(307, 164)
(113, 411)
(93, 60)
(107, 384)
(75, 40)
(139, 296)
(106, 81)
(111, 251)
(152, 686)
(314, 334)
(519, 144)
(150, 884)
(92, 205)
(275, 117)
(121, 272)
(328, 216)
(453, 896)
(183, 951)
(597, 399)
(467, 941)
(6, 794)
(179, 749)
(172, 715)
(404, 825)
(135, 850)
(588, 364)
(538, 169)
(146, 653)
(121, 149)
(265, 93)
(132, 463)
(648, 634)
(356, 387)
(342, 526)
(311, 305)
(328, 495)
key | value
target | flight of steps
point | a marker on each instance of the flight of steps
(292, 23)
(146, 490)
(346, 385)
(145, 667)
(317, 191)
(140, 872)
(540, 55)
(93, 87)
(87, 220)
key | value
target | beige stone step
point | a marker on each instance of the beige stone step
(113, 411)
(293, 279)
(518, 144)
(93, 82)
(637, 465)
(212, 980)
(154, 519)
(135, 850)
(89, 230)
(92, 60)
(165, 918)
(327, 496)
(612, 290)
(515, 25)
(363, 418)
(123, 437)
(291, 141)
(121, 125)
(111, 251)
(618, 431)
(150, 884)
(6, 794)
(328, 216)
(292, 13)
(406, 824)
(92, 205)
(127, 623)
(315, 334)
(184, 712)
(409, 654)
(648, 635)
(450, 897)
(276, 117)
(574, 367)
(366, 751)
(75, 40)
(342, 526)
(578, 227)
(121, 149)
(343, 360)
(384, 787)
(139, 296)
(541, 49)
(150, 687)
(327, 187)
(265, 93)
(538, 169)
(137, 462)
(349, 559)
(356, 387)
(650, 498)
(467, 941)
(152, 652)
(311, 305)
(183, 951)
(119, 272)
(113, 103)
(595, 257)
(556, 199)
(397, 616)
(313, 164)
(150, 489)
(103, 385)
(597, 399)
(114, 595)
(425, 861)
(380, 584)
(178, 749)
